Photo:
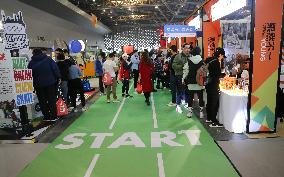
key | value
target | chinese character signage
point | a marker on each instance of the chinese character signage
(210, 39)
(267, 36)
(179, 31)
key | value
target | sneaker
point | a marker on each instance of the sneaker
(70, 109)
(75, 110)
(123, 95)
(216, 125)
(208, 121)
(108, 101)
(128, 96)
(183, 102)
(171, 104)
(201, 114)
(84, 108)
(186, 106)
(116, 101)
(178, 109)
(148, 103)
(189, 114)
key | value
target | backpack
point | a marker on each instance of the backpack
(202, 74)
(192, 70)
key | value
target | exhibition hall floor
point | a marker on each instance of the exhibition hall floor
(131, 139)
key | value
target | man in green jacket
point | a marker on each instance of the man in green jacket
(178, 64)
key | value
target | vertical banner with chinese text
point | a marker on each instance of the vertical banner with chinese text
(267, 36)
(210, 39)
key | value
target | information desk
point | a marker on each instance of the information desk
(233, 110)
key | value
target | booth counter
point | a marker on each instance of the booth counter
(233, 110)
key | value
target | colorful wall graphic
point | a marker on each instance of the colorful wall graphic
(267, 36)
(15, 79)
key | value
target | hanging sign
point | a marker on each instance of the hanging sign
(179, 31)
(226, 7)
(267, 36)
(210, 39)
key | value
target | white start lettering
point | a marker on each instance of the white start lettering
(158, 140)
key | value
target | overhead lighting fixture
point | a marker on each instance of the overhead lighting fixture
(110, 17)
(156, 7)
(104, 10)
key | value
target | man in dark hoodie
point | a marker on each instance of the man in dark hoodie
(64, 71)
(212, 87)
(46, 75)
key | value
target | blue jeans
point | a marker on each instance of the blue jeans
(176, 89)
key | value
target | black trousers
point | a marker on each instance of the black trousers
(147, 95)
(76, 87)
(212, 105)
(125, 86)
(101, 84)
(47, 101)
(136, 76)
(191, 97)
(159, 80)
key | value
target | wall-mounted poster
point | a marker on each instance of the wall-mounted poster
(236, 41)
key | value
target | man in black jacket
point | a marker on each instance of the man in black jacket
(173, 52)
(212, 87)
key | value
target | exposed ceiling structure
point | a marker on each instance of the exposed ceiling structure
(121, 14)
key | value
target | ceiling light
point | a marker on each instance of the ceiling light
(110, 17)
(156, 7)
(104, 10)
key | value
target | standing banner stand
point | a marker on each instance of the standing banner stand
(16, 79)
(266, 49)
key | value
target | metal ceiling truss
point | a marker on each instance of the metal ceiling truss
(150, 13)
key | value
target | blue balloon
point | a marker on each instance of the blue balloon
(75, 46)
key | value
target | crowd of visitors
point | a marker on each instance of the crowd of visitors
(154, 70)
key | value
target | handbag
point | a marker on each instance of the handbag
(139, 88)
(107, 79)
(61, 106)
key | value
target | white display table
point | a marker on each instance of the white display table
(233, 111)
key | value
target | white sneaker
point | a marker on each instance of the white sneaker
(186, 106)
(171, 104)
(178, 109)
(183, 102)
(84, 108)
(201, 114)
(189, 114)
(75, 110)
(70, 109)
(116, 101)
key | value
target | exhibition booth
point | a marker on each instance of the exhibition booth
(250, 34)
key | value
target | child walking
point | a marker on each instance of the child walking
(124, 75)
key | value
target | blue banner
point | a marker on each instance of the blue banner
(179, 31)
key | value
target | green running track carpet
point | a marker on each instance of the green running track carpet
(131, 139)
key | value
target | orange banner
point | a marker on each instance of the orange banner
(267, 36)
(210, 39)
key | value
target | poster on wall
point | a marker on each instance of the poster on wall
(236, 42)
(16, 79)
(267, 36)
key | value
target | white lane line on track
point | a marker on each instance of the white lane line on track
(161, 165)
(154, 112)
(92, 165)
(119, 110)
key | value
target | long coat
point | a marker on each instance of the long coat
(146, 72)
